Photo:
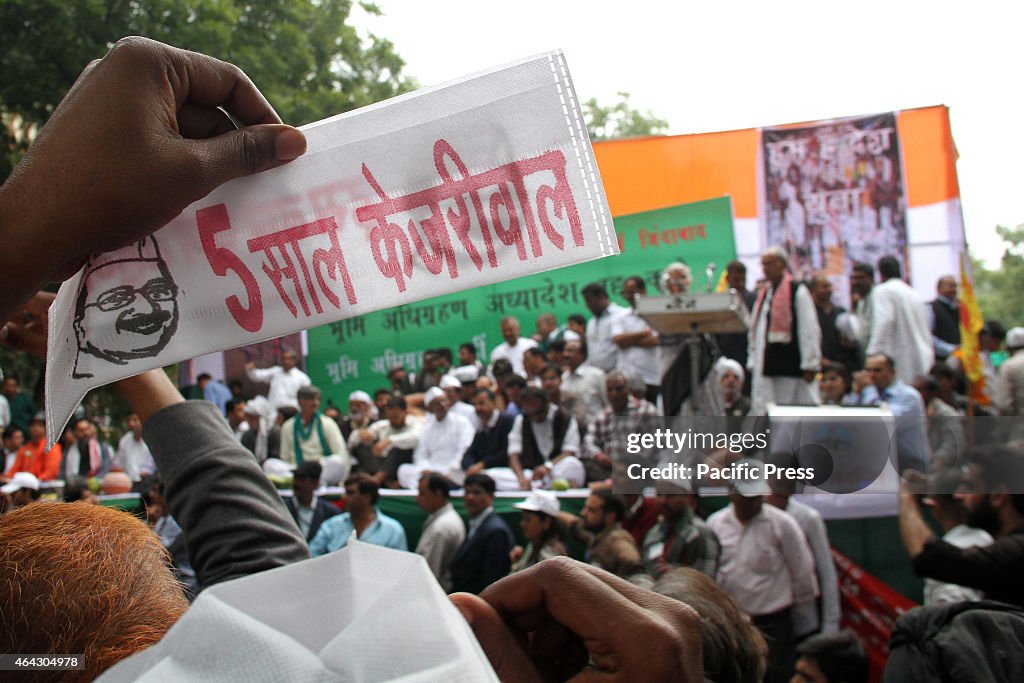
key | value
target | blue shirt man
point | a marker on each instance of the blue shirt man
(878, 384)
(362, 517)
(214, 391)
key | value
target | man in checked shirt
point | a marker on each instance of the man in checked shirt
(608, 430)
(681, 538)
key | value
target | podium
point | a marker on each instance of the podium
(694, 315)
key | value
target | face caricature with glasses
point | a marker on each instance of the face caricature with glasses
(127, 306)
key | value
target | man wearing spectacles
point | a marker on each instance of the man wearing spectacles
(118, 320)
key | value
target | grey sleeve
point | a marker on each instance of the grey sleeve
(234, 521)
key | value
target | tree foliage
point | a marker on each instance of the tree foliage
(997, 289)
(620, 120)
(304, 55)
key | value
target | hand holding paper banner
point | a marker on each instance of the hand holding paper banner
(482, 180)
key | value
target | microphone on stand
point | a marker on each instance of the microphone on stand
(710, 273)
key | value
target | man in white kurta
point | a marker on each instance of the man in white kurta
(514, 346)
(285, 380)
(444, 440)
(132, 452)
(899, 325)
(768, 387)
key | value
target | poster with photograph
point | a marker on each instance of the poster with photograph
(835, 194)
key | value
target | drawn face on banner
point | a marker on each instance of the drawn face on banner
(127, 305)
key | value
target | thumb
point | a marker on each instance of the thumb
(503, 649)
(246, 151)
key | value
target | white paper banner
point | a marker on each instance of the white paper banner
(482, 180)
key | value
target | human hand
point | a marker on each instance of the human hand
(809, 375)
(549, 621)
(27, 331)
(540, 472)
(861, 379)
(913, 482)
(126, 166)
(525, 483)
(475, 468)
(515, 554)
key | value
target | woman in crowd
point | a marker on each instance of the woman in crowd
(539, 523)
(835, 383)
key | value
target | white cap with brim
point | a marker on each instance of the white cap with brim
(540, 501)
(20, 480)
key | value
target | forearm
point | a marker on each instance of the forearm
(149, 392)
(913, 529)
(25, 223)
(233, 519)
(515, 464)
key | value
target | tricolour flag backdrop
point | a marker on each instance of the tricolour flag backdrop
(923, 220)
(646, 173)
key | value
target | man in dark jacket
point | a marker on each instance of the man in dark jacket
(960, 642)
(484, 557)
(490, 445)
(308, 511)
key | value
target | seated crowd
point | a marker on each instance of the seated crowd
(561, 422)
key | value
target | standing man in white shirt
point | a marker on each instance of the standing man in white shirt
(637, 342)
(604, 354)
(766, 567)
(445, 438)
(285, 380)
(899, 324)
(133, 454)
(443, 530)
(514, 346)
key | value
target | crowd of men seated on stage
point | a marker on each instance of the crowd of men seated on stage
(552, 411)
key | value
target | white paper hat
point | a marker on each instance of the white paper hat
(433, 393)
(340, 617)
(450, 382)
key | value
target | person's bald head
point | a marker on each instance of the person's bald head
(947, 287)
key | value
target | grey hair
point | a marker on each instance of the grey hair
(778, 252)
(666, 274)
